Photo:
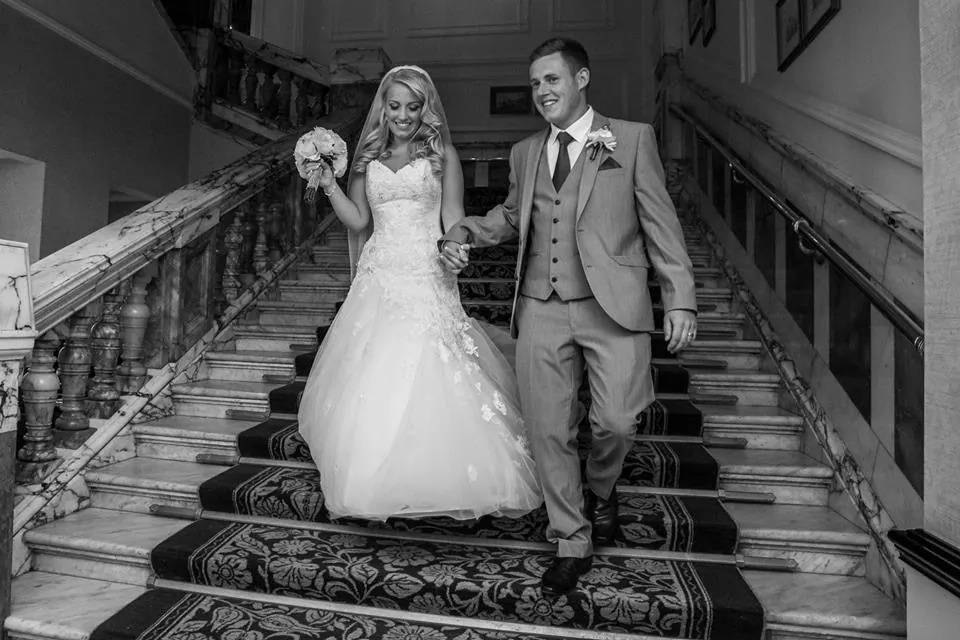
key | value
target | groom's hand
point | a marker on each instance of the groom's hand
(455, 256)
(679, 328)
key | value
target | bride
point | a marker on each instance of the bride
(410, 409)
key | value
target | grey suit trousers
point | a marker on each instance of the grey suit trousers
(555, 340)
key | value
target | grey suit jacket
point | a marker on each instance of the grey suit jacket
(626, 222)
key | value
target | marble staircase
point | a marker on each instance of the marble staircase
(87, 566)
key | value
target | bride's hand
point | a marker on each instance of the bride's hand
(325, 173)
(454, 256)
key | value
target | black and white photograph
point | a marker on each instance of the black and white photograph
(457, 320)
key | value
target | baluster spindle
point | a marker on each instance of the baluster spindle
(247, 270)
(276, 241)
(233, 243)
(299, 101)
(284, 95)
(131, 374)
(250, 81)
(75, 358)
(39, 390)
(268, 90)
(235, 90)
(260, 247)
(102, 394)
(260, 73)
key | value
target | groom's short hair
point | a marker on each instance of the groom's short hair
(572, 51)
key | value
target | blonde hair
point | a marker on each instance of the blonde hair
(427, 142)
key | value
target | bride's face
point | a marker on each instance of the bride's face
(403, 111)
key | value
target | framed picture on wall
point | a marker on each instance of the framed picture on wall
(694, 18)
(816, 15)
(789, 32)
(709, 20)
(516, 100)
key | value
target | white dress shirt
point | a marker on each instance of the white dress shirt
(578, 131)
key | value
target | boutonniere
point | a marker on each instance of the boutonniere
(601, 137)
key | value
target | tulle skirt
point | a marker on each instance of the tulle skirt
(411, 410)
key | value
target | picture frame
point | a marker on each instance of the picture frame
(790, 32)
(709, 20)
(694, 18)
(511, 100)
(816, 15)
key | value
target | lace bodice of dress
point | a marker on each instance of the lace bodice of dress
(405, 206)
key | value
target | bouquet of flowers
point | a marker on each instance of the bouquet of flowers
(313, 147)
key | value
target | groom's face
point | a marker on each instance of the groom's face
(558, 90)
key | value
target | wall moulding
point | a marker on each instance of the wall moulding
(896, 142)
(491, 17)
(595, 16)
(905, 225)
(373, 26)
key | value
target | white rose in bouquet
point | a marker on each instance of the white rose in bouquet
(319, 145)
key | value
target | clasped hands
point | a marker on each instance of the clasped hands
(679, 325)
(455, 256)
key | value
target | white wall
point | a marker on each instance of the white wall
(93, 125)
(211, 149)
(852, 97)
(21, 201)
(469, 46)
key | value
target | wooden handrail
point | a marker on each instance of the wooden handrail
(74, 276)
(878, 295)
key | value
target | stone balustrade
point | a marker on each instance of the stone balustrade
(140, 292)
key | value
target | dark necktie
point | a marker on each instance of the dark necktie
(562, 170)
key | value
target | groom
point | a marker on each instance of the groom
(588, 202)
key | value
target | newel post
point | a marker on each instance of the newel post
(17, 334)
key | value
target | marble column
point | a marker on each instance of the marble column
(940, 121)
(17, 334)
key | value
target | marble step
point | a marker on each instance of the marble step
(750, 387)
(111, 545)
(805, 606)
(47, 606)
(312, 291)
(249, 366)
(324, 273)
(738, 354)
(819, 539)
(793, 477)
(184, 437)
(135, 484)
(221, 398)
(762, 427)
(273, 337)
(101, 544)
(305, 314)
(323, 255)
(50, 606)
(97, 544)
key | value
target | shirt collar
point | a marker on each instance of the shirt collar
(578, 130)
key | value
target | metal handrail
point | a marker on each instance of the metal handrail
(810, 238)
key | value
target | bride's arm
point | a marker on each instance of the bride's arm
(352, 209)
(451, 206)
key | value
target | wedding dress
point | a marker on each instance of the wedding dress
(410, 409)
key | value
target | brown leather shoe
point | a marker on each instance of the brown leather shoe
(561, 576)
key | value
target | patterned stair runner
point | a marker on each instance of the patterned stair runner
(265, 531)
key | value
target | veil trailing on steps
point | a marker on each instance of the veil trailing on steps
(356, 239)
